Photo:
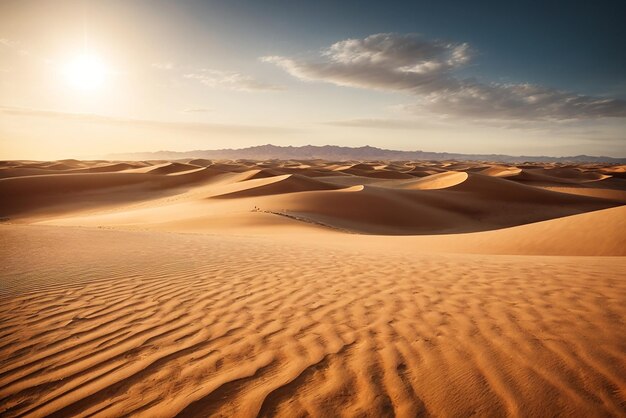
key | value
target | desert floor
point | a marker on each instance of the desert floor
(312, 288)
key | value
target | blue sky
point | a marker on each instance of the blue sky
(533, 77)
(569, 45)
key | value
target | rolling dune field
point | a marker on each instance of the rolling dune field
(312, 288)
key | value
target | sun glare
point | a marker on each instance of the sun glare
(86, 72)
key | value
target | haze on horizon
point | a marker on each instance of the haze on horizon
(85, 78)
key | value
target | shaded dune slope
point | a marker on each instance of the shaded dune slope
(29, 194)
(288, 183)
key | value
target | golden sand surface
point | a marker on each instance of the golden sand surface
(311, 288)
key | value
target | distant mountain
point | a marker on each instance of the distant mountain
(337, 153)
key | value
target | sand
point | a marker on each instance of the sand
(234, 288)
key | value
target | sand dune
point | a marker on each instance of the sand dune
(425, 171)
(173, 168)
(618, 171)
(202, 325)
(46, 194)
(599, 233)
(288, 183)
(444, 202)
(24, 170)
(566, 176)
(269, 288)
(267, 172)
(611, 194)
(108, 168)
(202, 162)
(430, 182)
(478, 203)
(500, 171)
(377, 174)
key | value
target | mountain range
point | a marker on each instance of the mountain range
(338, 153)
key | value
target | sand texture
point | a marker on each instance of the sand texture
(311, 288)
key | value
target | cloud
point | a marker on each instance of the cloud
(230, 80)
(426, 69)
(383, 61)
(379, 123)
(163, 66)
(8, 43)
(120, 121)
(521, 102)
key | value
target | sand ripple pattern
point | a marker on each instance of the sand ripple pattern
(192, 325)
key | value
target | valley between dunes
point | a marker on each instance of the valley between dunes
(312, 288)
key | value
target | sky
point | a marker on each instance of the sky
(86, 78)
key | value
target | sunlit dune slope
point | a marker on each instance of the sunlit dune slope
(598, 233)
(430, 182)
(150, 324)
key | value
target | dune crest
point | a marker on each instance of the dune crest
(282, 184)
(430, 182)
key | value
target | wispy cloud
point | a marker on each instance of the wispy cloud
(14, 45)
(381, 123)
(8, 43)
(426, 68)
(230, 80)
(120, 121)
(220, 79)
(163, 65)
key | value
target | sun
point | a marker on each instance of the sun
(85, 72)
